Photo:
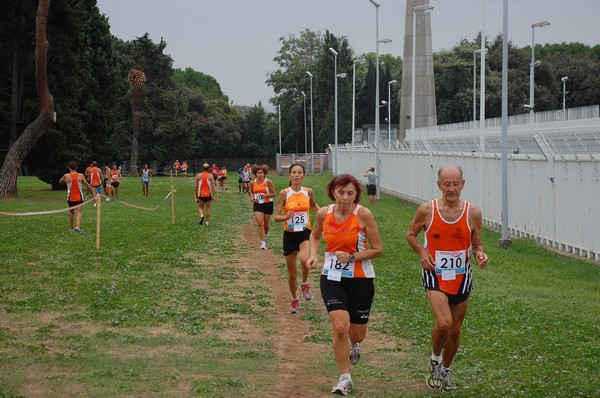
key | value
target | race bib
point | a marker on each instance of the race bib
(258, 197)
(448, 264)
(333, 267)
(298, 222)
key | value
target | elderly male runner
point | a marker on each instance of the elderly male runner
(452, 237)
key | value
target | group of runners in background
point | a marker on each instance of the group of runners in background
(451, 225)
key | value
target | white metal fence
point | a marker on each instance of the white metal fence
(552, 190)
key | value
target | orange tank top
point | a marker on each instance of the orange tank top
(449, 243)
(204, 186)
(96, 177)
(348, 237)
(114, 175)
(261, 188)
(74, 189)
(299, 203)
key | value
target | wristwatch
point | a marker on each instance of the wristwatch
(352, 258)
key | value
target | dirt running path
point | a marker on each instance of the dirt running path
(293, 379)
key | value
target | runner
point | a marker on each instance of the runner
(347, 287)
(204, 193)
(146, 175)
(74, 182)
(293, 206)
(240, 170)
(106, 181)
(176, 167)
(262, 192)
(224, 178)
(184, 168)
(96, 180)
(452, 238)
(246, 176)
(115, 179)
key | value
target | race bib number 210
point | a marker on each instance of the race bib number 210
(448, 264)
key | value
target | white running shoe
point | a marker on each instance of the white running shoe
(306, 292)
(263, 245)
(294, 306)
(343, 386)
(354, 353)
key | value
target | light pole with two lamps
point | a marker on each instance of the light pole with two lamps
(335, 76)
(312, 148)
(359, 61)
(478, 51)
(377, 149)
(390, 84)
(305, 144)
(564, 82)
(532, 66)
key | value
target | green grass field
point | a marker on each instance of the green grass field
(157, 310)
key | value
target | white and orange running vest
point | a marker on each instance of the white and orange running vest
(450, 245)
(348, 237)
(204, 186)
(299, 203)
(74, 189)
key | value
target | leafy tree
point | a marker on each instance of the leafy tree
(298, 54)
(33, 132)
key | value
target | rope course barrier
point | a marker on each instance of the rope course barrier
(40, 213)
(97, 204)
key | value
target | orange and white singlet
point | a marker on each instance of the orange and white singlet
(114, 175)
(299, 203)
(348, 237)
(204, 186)
(260, 189)
(95, 177)
(450, 245)
(74, 189)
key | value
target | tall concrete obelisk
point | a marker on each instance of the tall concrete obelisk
(425, 114)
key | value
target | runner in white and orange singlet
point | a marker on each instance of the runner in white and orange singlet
(75, 182)
(347, 274)
(293, 208)
(452, 238)
(205, 188)
(262, 192)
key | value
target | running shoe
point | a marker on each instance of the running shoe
(354, 353)
(433, 379)
(294, 306)
(71, 230)
(306, 292)
(263, 245)
(343, 386)
(77, 229)
(201, 219)
(446, 378)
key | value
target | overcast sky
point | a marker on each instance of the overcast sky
(235, 41)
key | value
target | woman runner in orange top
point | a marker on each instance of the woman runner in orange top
(293, 208)
(262, 192)
(347, 273)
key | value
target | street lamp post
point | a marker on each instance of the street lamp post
(478, 51)
(532, 69)
(279, 113)
(359, 62)
(335, 54)
(305, 144)
(390, 84)
(377, 149)
(312, 148)
(564, 82)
